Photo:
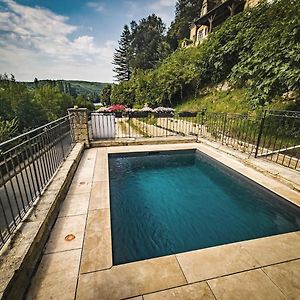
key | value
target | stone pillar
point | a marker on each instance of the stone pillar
(79, 125)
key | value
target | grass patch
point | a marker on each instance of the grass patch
(137, 129)
(233, 101)
(218, 101)
(123, 126)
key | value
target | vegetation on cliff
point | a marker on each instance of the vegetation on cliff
(257, 50)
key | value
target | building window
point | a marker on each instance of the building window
(201, 34)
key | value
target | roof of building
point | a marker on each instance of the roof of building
(220, 11)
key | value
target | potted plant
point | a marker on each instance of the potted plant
(187, 114)
(117, 110)
(163, 112)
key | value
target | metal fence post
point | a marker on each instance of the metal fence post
(129, 125)
(224, 127)
(202, 122)
(262, 122)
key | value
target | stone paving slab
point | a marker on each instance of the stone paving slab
(81, 187)
(215, 262)
(252, 285)
(56, 277)
(130, 280)
(99, 198)
(75, 205)
(85, 170)
(101, 165)
(64, 226)
(97, 248)
(195, 291)
(287, 277)
(274, 249)
(159, 147)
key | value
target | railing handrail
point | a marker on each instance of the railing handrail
(28, 162)
(32, 131)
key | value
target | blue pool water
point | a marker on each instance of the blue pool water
(172, 202)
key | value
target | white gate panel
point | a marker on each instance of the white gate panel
(103, 126)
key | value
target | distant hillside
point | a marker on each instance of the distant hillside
(75, 88)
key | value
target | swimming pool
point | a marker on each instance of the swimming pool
(176, 201)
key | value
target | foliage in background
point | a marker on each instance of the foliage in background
(74, 88)
(258, 50)
(7, 129)
(141, 47)
(123, 56)
(17, 102)
(52, 102)
(218, 101)
(81, 101)
(105, 95)
(24, 108)
(186, 11)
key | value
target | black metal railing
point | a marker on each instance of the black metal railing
(236, 130)
(274, 135)
(279, 138)
(27, 164)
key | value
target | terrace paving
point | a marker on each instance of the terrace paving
(266, 268)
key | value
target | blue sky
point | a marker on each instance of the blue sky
(68, 39)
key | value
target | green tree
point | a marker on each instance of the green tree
(149, 45)
(105, 95)
(53, 103)
(123, 56)
(186, 11)
(7, 129)
(123, 93)
(16, 103)
(82, 101)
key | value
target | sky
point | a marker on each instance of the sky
(68, 39)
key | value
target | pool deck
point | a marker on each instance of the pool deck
(265, 268)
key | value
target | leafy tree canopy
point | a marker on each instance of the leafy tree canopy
(141, 47)
(23, 108)
(258, 49)
(186, 11)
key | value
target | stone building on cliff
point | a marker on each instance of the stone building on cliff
(212, 14)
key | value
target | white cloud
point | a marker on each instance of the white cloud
(162, 8)
(160, 4)
(97, 6)
(132, 9)
(35, 42)
(165, 9)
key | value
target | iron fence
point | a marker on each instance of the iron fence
(239, 131)
(279, 138)
(274, 135)
(271, 134)
(27, 164)
(143, 125)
